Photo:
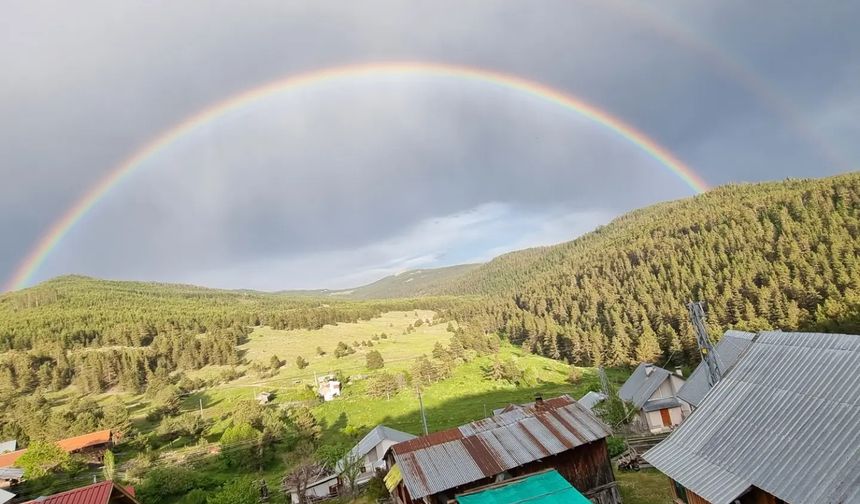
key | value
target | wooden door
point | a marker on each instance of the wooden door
(667, 419)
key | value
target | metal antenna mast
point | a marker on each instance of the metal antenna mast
(697, 317)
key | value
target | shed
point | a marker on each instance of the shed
(545, 487)
(558, 433)
(728, 350)
(780, 427)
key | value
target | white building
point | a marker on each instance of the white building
(329, 389)
(370, 451)
(591, 399)
(654, 393)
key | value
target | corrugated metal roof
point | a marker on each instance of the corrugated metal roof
(591, 399)
(481, 449)
(7, 459)
(80, 442)
(641, 385)
(8, 446)
(658, 404)
(5, 496)
(784, 420)
(97, 493)
(728, 350)
(377, 435)
(11, 473)
(547, 487)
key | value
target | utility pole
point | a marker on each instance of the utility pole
(706, 348)
(423, 416)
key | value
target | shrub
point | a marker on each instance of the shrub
(374, 360)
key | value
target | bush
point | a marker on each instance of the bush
(615, 445)
(164, 484)
(42, 458)
(238, 491)
(343, 350)
(374, 360)
(301, 363)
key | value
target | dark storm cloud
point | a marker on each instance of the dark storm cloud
(340, 178)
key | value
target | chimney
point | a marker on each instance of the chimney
(538, 401)
(678, 371)
(649, 368)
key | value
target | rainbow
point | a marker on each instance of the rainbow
(162, 142)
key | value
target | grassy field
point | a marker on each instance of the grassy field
(647, 486)
(466, 396)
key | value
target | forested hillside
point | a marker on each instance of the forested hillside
(775, 255)
(101, 334)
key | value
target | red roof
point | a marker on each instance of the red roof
(70, 445)
(7, 459)
(97, 493)
(80, 442)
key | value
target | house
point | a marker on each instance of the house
(329, 389)
(90, 447)
(263, 398)
(591, 399)
(781, 427)
(369, 453)
(105, 492)
(325, 487)
(8, 446)
(654, 393)
(728, 350)
(10, 476)
(558, 434)
(545, 487)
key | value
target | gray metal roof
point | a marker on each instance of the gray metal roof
(11, 473)
(658, 404)
(590, 399)
(784, 420)
(5, 496)
(450, 458)
(728, 350)
(8, 446)
(379, 434)
(641, 385)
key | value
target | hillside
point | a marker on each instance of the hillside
(772, 255)
(413, 283)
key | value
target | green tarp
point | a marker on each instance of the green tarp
(542, 488)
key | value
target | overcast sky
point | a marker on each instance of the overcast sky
(340, 184)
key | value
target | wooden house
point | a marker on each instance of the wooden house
(558, 434)
(781, 427)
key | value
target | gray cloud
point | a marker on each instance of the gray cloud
(325, 176)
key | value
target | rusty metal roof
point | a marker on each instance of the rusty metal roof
(783, 420)
(481, 449)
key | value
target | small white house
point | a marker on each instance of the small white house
(654, 393)
(329, 389)
(370, 451)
